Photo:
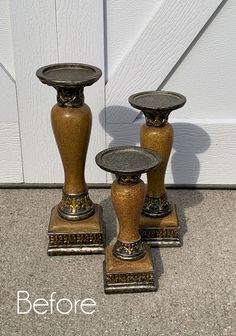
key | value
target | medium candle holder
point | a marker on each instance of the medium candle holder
(159, 223)
(76, 222)
(128, 265)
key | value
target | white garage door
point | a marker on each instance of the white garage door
(186, 46)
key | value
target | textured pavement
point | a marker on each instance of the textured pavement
(197, 282)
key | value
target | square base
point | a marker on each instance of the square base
(128, 276)
(76, 237)
(161, 231)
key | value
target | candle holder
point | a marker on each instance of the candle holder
(159, 223)
(76, 222)
(128, 265)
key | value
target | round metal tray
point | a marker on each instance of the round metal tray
(157, 100)
(129, 160)
(69, 74)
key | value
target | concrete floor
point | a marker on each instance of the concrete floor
(197, 286)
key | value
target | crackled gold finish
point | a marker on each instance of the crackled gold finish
(127, 201)
(72, 127)
(159, 139)
(75, 237)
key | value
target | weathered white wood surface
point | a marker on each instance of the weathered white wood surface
(35, 45)
(6, 48)
(10, 159)
(81, 39)
(207, 75)
(203, 151)
(126, 20)
(154, 53)
(45, 32)
(10, 150)
(8, 103)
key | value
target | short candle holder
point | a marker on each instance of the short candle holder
(128, 265)
(159, 223)
(76, 223)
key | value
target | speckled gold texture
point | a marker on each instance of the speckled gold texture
(159, 139)
(76, 237)
(128, 201)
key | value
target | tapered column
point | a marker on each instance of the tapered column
(127, 199)
(159, 139)
(67, 123)
(72, 127)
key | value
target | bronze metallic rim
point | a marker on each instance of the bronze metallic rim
(156, 101)
(128, 160)
(69, 74)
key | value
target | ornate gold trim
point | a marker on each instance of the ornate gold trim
(156, 119)
(128, 179)
(75, 206)
(159, 233)
(70, 96)
(123, 250)
(144, 277)
(157, 206)
(75, 239)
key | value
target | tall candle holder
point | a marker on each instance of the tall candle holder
(159, 223)
(128, 265)
(76, 222)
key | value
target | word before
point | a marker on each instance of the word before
(63, 306)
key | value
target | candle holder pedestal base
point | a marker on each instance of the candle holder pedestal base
(129, 276)
(76, 237)
(161, 231)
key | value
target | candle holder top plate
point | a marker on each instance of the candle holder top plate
(68, 74)
(128, 160)
(157, 101)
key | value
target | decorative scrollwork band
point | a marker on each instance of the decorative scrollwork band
(159, 233)
(130, 251)
(157, 206)
(75, 239)
(76, 207)
(156, 119)
(128, 179)
(122, 278)
(70, 96)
